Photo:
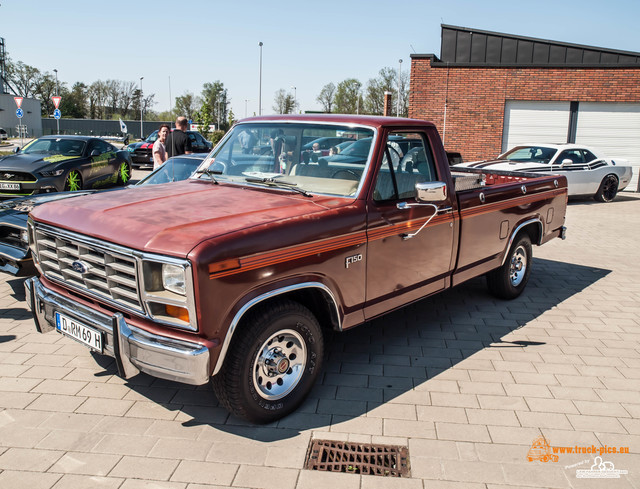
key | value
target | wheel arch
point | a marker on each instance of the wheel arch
(532, 227)
(317, 297)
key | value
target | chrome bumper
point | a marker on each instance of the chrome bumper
(134, 349)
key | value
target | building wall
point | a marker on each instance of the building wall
(32, 118)
(476, 97)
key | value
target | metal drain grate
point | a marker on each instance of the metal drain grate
(358, 458)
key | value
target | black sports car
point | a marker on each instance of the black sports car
(59, 163)
(141, 151)
(15, 257)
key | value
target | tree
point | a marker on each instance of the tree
(127, 90)
(23, 78)
(284, 103)
(327, 97)
(214, 100)
(376, 87)
(348, 99)
(74, 101)
(45, 88)
(188, 105)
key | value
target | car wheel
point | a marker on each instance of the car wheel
(508, 281)
(73, 182)
(124, 173)
(608, 189)
(272, 362)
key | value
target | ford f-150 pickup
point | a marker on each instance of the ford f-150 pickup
(235, 275)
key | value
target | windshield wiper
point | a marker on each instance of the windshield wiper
(210, 174)
(272, 182)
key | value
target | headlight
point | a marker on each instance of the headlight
(53, 173)
(173, 279)
(130, 149)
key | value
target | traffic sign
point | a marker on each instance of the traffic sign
(19, 113)
(57, 114)
(18, 101)
(56, 100)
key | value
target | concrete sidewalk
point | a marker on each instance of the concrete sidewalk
(466, 381)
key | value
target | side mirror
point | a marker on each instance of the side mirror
(431, 192)
(566, 162)
(95, 152)
(16, 149)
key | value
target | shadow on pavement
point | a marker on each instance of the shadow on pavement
(368, 366)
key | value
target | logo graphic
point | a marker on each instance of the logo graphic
(350, 260)
(80, 267)
(8, 176)
(540, 450)
(600, 470)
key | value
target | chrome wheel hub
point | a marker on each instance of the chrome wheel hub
(279, 366)
(518, 266)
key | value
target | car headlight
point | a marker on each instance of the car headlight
(167, 290)
(130, 149)
(52, 173)
(173, 279)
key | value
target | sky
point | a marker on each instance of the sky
(178, 46)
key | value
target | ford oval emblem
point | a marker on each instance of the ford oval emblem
(80, 267)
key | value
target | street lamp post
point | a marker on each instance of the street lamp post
(245, 107)
(260, 85)
(141, 78)
(399, 92)
(57, 120)
(295, 99)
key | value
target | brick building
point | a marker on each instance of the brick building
(490, 91)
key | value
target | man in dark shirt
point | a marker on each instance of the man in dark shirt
(178, 142)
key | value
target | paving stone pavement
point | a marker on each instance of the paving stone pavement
(466, 381)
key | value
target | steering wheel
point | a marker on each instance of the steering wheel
(351, 175)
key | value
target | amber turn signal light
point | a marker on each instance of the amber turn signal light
(177, 312)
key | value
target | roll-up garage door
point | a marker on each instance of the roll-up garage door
(534, 122)
(614, 130)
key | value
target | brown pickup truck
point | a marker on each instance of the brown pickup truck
(236, 274)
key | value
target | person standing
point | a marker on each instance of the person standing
(159, 150)
(178, 142)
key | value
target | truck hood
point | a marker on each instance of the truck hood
(173, 218)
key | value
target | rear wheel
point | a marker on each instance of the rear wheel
(272, 362)
(608, 189)
(73, 182)
(124, 173)
(508, 281)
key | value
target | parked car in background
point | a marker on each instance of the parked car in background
(587, 172)
(324, 144)
(3, 135)
(59, 163)
(141, 150)
(15, 257)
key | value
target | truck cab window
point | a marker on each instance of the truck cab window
(407, 160)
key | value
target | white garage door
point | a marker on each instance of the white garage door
(534, 122)
(613, 129)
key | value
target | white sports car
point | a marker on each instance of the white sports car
(587, 173)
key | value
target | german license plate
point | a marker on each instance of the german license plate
(78, 331)
(10, 186)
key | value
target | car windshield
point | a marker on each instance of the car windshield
(151, 138)
(537, 154)
(274, 154)
(173, 170)
(57, 146)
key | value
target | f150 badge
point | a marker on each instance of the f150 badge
(350, 260)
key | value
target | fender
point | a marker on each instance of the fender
(515, 232)
(268, 295)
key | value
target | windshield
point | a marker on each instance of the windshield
(173, 170)
(537, 154)
(151, 138)
(58, 146)
(279, 155)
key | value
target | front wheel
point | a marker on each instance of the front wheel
(73, 182)
(608, 189)
(272, 362)
(124, 173)
(508, 281)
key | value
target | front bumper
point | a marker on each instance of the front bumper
(133, 349)
(16, 261)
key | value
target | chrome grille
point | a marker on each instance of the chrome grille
(110, 274)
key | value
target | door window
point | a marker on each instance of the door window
(407, 160)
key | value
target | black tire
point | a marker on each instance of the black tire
(608, 189)
(73, 181)
(272, 363)
(508, 281)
